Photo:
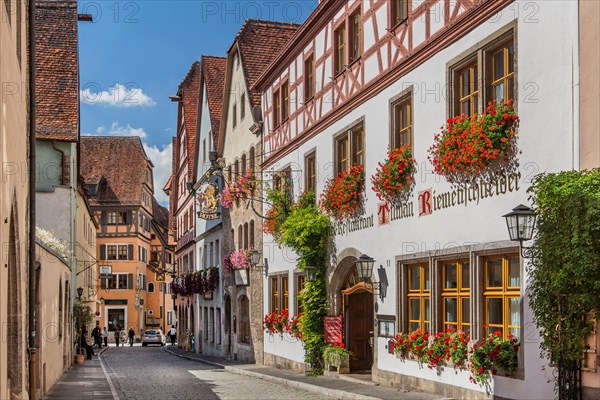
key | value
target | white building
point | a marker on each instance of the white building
(350, 71)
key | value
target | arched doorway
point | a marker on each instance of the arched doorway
(357, 300)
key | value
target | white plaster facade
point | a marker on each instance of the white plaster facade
(546, 76)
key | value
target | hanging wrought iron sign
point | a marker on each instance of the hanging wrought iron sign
(208, 202)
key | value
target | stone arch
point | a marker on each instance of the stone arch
(337, 277)
(14, 313)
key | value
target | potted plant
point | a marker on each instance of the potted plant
(395, 177)
(83, 318)
(343, 195)
(481, 144)
(337, 357)
(239, 262)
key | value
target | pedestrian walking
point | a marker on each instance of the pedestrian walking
(89, 349)
(96, 335)
(131, 335)
(172, 334)
(117, 335)
(104, 336)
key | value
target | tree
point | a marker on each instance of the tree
(565, 270)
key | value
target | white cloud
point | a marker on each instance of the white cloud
(118, 130)
(161, 158)
(120, 95)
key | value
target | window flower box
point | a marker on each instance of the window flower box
(395, 177)
(479, 145)
(343, 195)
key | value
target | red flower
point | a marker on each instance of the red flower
(497, 333)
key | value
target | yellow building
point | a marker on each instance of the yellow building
(118, 175)
(14, 197)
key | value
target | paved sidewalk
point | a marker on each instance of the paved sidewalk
(83, 382)
(324, 385)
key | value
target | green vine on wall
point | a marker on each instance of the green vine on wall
(305, 229)
(565, 271)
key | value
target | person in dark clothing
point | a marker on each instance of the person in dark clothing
(96, 336)
(131, 335)
(117, 335)
(89, 349)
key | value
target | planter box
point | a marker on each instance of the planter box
(79, 359)
(342, 366)
(241, 277)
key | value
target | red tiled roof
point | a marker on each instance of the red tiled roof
(57, 75)
(214, 78)
(259, 42)
(160, 214)
(117, 164)
(189, 90)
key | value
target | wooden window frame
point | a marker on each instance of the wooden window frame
(234, 114)
(505, 79)
(459, 293)
(279, 292)
(242, 106)
(276, 108)
(480, 57)
(354, 36)
(422, 294)
(339, 49)
(472, 98)
(503, 292)
(310, 173)
(299, 284)
(394, 21)
(405, 98)
(284, 89)
(349, 135)
(309, 78)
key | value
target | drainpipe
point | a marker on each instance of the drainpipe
(62, 162)
(32, 350)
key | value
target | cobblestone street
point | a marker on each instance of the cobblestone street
(141, 373)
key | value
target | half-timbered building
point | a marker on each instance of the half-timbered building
(361, 77)
(182, 203)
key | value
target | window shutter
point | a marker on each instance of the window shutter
(103, 252)
(144, 282)
(130, 252)
(103, 218)
(140, 253)
(129, 281)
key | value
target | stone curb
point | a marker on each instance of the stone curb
(307, 387)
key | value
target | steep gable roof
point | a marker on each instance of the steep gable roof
(57, 70)
(189, 91)
(259, 42)
(117, 165)
(214, 78)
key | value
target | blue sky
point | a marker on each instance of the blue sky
(135, 54)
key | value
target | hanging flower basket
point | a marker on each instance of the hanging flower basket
(482, 145)
(394, 179)
(241, 277)
(238, 259)
(343, 195)
(242, 188)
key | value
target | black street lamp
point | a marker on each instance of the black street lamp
(521, 223)
(364, 267)
(79, 292)
(311, 272)
(254, 257)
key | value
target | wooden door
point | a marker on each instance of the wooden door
(359, 320)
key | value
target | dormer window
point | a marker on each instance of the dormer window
(92, 189)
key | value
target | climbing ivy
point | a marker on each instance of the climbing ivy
(565, 270)
(306, 231)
